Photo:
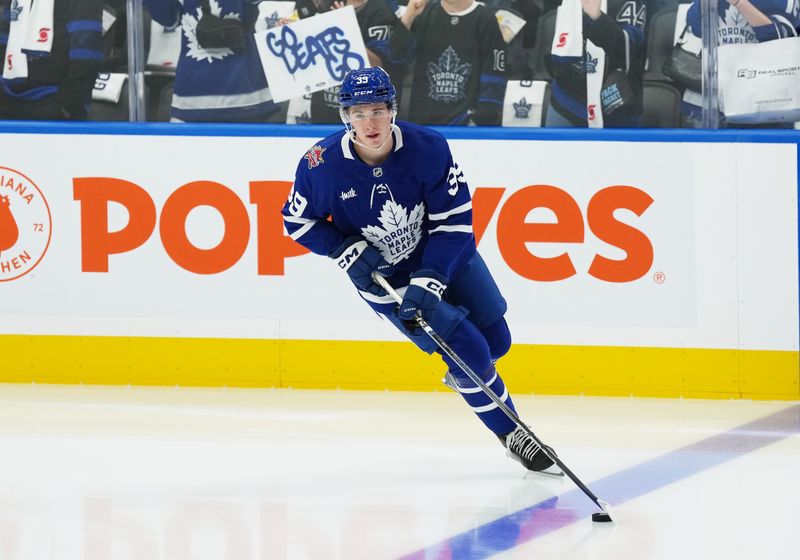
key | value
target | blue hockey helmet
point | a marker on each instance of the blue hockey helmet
(367, 85)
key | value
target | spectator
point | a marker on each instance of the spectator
(608, 61)
(389, 45)
(216, 82)
(741, 21)
(460, 70)
(520, 53)
(51, 52)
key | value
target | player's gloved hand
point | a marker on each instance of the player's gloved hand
(424, 293)
(360, 259)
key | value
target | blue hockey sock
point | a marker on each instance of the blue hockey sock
(487, 410)
(471, 346)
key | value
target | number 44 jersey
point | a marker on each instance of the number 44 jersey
(415, 207)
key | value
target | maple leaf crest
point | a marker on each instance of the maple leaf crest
(522, 108)
(448, 77)
(189, 27)
(399, 232)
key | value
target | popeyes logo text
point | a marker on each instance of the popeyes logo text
(514, 230)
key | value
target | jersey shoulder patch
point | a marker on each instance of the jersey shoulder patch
(314, 156)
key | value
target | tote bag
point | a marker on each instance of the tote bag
(760, 82)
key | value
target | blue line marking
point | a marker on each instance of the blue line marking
(557, 512)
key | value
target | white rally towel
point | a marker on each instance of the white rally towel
(568, 46)
(165, 46)
(596, 57)
(30, 33)
(568, 38)
(108, 87)
(272, 13)
(39, 40)
(523, 102)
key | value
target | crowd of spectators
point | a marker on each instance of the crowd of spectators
(595, 63)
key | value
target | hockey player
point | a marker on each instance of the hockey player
(412, 222)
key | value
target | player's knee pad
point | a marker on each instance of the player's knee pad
(470, 345)
(474, 288)
(498, 337)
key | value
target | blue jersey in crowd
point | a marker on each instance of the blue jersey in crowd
(222, 84)
(415, 207)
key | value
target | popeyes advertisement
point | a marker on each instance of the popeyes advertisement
(590, 242)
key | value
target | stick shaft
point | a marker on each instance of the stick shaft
(425, 326)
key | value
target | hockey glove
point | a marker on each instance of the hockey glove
(423, 295)
(360, 259)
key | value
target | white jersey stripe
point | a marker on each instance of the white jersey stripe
(299, 233)
(492, 405)
(468, 390)
(461, 229)
(296, 220)
(458, 210)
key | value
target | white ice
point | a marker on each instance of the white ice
(121, 473)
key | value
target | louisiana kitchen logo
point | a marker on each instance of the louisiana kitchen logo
(25, 225)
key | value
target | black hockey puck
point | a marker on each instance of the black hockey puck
(601, 517)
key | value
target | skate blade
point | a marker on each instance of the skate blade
(555, 473)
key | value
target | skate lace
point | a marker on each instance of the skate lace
(522, 444)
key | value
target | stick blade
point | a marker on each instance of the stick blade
(602, 516)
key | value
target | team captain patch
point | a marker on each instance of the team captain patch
(314, 156)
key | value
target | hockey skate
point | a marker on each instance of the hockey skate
(523, 448)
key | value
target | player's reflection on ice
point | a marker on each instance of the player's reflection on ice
(195, 528)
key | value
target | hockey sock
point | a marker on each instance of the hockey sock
(487, 411)
(471, 346)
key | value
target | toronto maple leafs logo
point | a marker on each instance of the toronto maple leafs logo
(734, 28)
(448, 77)
(273, 19)
(399, 232)
(330, 97)
(314, 156)
(189, 25)
(522, 108)
(589, 63)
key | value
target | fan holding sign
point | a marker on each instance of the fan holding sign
(311, 54)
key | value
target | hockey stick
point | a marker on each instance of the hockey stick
(492, 395)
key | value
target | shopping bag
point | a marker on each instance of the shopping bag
(760, 82)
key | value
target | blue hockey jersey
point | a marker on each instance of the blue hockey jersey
(215, 84)
(415, 207)
(732, 26)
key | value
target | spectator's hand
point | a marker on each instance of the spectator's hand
(413, 9)
(591, 8)
(338, 4)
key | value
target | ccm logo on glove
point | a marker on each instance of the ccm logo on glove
(351, 254)
(431, 284)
